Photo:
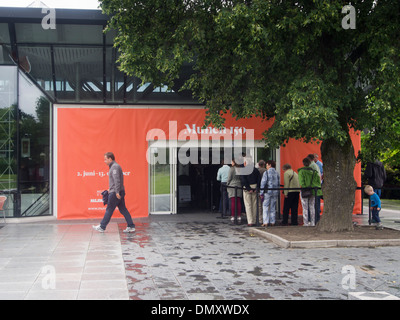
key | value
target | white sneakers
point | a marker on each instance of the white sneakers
(100, 229)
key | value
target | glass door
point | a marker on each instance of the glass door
(162, 174)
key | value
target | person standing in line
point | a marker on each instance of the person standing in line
(116, 196)
(320, 166)
(222, 176)
(251, 183)
(291, 202)
(270, 180)
(308, 178)
(376, 174)
(261, 169)
(235, 196)
(314, 166)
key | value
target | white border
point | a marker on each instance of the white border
(55, 159)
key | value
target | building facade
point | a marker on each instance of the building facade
(64, 103)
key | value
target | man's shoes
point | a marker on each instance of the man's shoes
(98, 228)
(129, 230)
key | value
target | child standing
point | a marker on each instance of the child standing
(375, 205)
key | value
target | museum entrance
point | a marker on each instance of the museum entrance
(184, 180)
(197, 187)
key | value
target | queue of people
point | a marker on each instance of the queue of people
(245, 182)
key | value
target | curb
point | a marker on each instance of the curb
(286, 244)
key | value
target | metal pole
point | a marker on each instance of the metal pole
(223, 200)
(362, 200)
(235, 202)
(258, 202)
(369, 211)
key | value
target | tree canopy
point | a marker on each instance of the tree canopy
(289, 60)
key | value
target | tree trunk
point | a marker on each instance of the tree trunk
(339, 186)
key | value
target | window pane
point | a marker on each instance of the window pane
(160, 175)
(79, 74)
(63, 34)
(8, 155)
(115, 78)
(5, 48)
(147, 93)
(34, 172)
(266, 154)
(39, 59)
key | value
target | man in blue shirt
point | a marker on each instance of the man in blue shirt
(320, 166)
(222, 176)
(375, 205)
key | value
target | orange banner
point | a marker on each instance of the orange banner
(85, 134)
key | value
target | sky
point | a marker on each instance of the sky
(67, 4)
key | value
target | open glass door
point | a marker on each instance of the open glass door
(162, 174)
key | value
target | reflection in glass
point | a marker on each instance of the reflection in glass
(63, 34)
(79, 74)
(34, 131)
(5, 47)
(8, 155)
(39, 58)
(160, 177)
(115, 78)
(266, 154)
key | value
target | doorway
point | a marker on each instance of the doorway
(198, 189)
(191, 186)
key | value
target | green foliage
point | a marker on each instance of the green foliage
(287, 60)
(381, 139)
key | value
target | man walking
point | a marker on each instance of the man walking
(116, 196)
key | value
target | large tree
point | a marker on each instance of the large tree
(295, 61)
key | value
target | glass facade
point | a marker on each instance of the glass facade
(75, 63)
(34, 150)
(8, 136)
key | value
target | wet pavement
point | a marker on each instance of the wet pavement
(212, 259)
(181, 257)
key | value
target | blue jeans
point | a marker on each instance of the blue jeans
(375, 214)
(114, 202)
(224, 202)
(269, 208)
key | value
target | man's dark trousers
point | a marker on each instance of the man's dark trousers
(291, 203)
(114, 202)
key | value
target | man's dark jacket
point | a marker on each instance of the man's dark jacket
(376, 174)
